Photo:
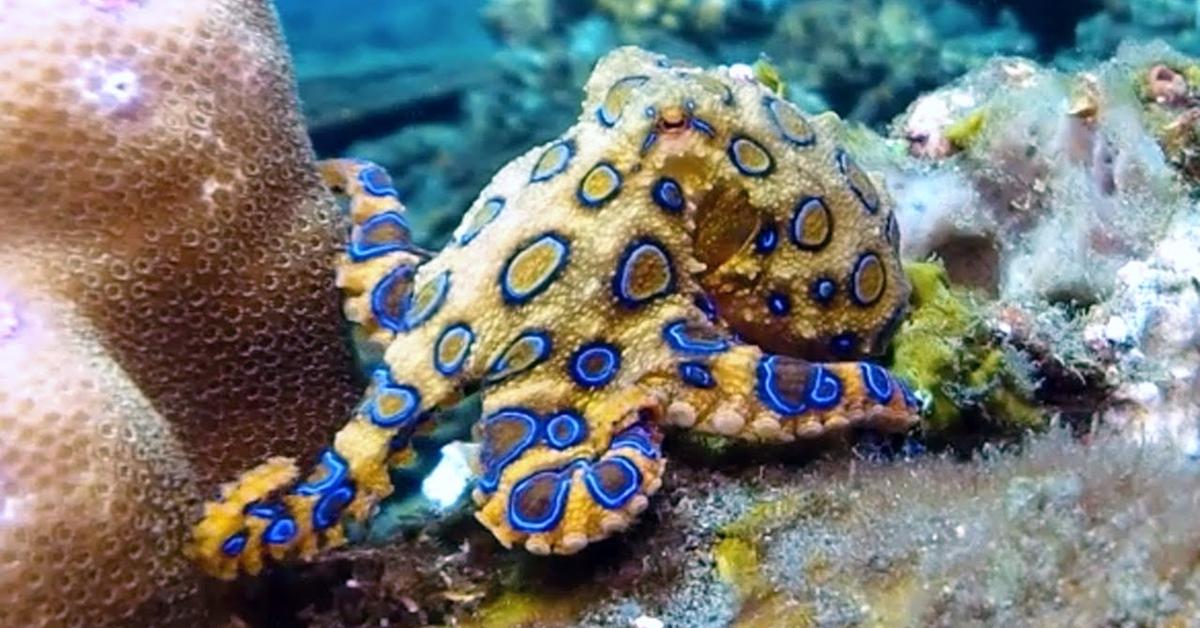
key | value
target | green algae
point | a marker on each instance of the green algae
(963, 132)
(955, 366)
(515, 608)
(767, 74)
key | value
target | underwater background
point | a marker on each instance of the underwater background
(443, 93)
(190, 310)
(1031, 325)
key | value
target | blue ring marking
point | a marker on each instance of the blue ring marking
(877, 381)
(594, 203)
(910, 399)
(711, 85)
(668, 195)
(768, 389)
(610, 118)
(573, 423)
(264, 511)
(361, 248)
(455, 364)
(891, 231)
(706, 305)
(336, 470)
(565, 152)
(385, 386)
(737, 163)
(823, 290)
(328, 509)
(500, 368)
(675, 333)
(558, 501)
(493, 206)
(858, 266)
(843, 344)
(234, 545)
(414, 317)
(376, 181)
(562, 248)
(391, 321)
(647, 143)
(696, 375)
(703, 127)
(825, 389)
(767, 239)
(598, 492)
(637, 438)
(642, 246)
(610, 365)
(492, 469)
(849, 169)
(280, 531)
(807, 205)
(779, 304)
(773, 108)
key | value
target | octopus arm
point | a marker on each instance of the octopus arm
(560, 470)
(719, 384)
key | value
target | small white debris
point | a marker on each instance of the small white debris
(449, 479)
(742, 72)
(646, 621)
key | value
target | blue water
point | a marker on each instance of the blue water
(443, 92)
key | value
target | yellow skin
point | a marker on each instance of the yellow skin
(633, 274)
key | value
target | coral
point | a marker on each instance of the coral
(661, 263)
(1149, 327)
(166, 276)
(696, 18)
(1055, 179)
(868, 56)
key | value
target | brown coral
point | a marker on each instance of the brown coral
(166, 252)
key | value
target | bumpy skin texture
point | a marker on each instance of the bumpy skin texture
(602, 287)
(165, 251)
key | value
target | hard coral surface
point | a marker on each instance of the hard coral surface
(168, 304)
(1037, 184)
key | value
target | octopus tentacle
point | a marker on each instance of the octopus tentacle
(724, 386)
(268, 514)
(556, 478)
(376, 272)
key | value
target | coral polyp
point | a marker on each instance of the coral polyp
(169, 308)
